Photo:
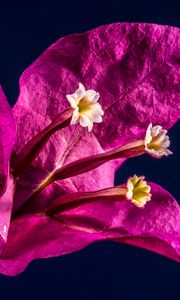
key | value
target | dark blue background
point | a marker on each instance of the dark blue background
(105, 270)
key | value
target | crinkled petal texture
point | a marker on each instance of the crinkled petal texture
(156, 227)
(134, 67)
(7, 139)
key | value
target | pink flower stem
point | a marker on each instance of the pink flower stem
(35, 145)
(70, 201)
(84, 165)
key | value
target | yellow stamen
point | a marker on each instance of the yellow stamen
(138, 191)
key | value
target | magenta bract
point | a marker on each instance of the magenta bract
(7, 139)
(134, 67)
(156, 227)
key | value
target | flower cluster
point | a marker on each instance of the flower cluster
(57, 162)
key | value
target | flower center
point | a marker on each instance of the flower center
(157, 141)
(138, 191)
(83, 105)
(87, 110)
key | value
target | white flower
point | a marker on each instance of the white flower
(138, 191)
(156, 141)
(86, 109)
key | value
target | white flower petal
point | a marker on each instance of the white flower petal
(97, 119)
(148, 136)
(156, 130)
(156, 141)
(92, 95)
(85, 122)
(168, 152)
(80, 92)
(165, 143)
(86, 109)
(75, 117)
(95, 98)
(72, 100)
(98, 108)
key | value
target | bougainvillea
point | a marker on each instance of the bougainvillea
(89, 102)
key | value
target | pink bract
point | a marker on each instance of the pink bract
(156, 227)
(135, 69)
(7, 139)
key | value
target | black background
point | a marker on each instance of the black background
(104, 270)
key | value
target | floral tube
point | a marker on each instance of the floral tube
(87, 164)
(137, 191)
